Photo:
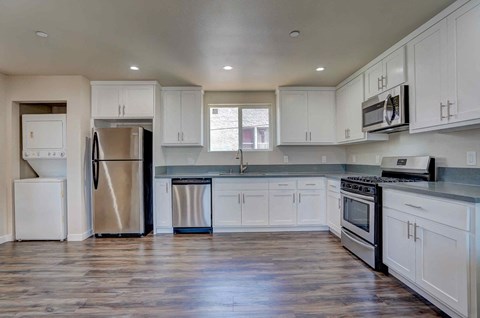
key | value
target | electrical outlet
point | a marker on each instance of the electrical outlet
(354, 158)
(471, 158)
(285, 159)
(324, 159)
(377, 159)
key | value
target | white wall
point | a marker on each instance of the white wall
(75, 91)
(3, 166)
(449, 148)
(296, 154)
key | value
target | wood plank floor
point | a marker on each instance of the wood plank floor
(224, 275)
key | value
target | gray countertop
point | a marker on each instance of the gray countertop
(333, 175)
(447, 190)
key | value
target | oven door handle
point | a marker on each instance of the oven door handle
(357, 196)
(356, 240)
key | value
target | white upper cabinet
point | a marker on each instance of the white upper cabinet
(428, 70)
(388, 73)
(112, 100)
(349, 113)
(445, 69)
(182, 116)
(305, 116)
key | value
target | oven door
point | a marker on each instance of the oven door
(358, 215)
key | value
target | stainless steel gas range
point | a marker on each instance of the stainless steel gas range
(361, 199)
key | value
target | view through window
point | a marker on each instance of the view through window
(247, 127)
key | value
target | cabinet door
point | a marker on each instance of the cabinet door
(227, 208)
(398, 243)
(163, 203)
(138, 100)
(443, 263)
(283, 207)
(355, 98)
(373, 80)
(172, 113)
(311, 208)
(106, 101)
(321, 116)
(464, 62)
(394, 68)
(293, 117)
(341, 114)
(427, 56)
(333, 212)
(255, 208)
(192, 118)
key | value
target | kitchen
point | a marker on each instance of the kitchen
(290, 102)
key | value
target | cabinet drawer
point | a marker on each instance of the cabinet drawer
(282, 184)
(228, 184)
(452, 213)
(333, 186)
(311, 183)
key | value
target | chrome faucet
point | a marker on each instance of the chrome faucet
(239, 155)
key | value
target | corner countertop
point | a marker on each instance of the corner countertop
(446, 190)
(329, 175)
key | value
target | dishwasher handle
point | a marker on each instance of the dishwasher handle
(186, 181)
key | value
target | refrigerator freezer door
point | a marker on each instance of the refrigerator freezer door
(118, 199)
(118, 144)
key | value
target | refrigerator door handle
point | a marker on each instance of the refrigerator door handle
(95, 163)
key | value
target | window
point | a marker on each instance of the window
(234, 126)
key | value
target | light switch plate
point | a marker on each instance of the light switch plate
(471, 158)
(285, 159)
(324, 159)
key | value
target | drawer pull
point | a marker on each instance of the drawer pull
(415, 238)
(332, 186)
(413, 206)
(408, 230)
(311, 184)
(283, 184)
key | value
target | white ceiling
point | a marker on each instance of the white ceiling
(187, 42)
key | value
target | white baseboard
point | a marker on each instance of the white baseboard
(80, 237)
(269, 229)
(6, 238)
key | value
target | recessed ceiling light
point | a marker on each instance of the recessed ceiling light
(228, 68)
(319, 69)
(134, 68)
(294, 33)
(41, 34)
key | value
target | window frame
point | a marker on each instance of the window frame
(240, 107)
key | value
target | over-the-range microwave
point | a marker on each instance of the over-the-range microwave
(386, 112)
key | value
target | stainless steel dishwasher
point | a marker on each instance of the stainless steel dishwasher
(192, 205)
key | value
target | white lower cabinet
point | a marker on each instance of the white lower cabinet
(432, 254)
(163, 206)
(275, 202)
(334, 212)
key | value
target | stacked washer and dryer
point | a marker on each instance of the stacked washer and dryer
(40, 203)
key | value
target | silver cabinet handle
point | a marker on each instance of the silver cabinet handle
(299, 198)
(378, 83)
(244, 198)
(384, 78)
(413, 206)
(339, 205)
(441, 111)
(449, 103)
(408, 230)
(311, 184)
(182, 135)
(166, 187)
(119, 110)
(178, 136)
(293, 196)
(239, 198)
(283, 184)
(310, 136)
(123, 110)
(306, 136)
(415, 238)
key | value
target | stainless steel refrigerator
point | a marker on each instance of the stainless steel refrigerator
(122, 181)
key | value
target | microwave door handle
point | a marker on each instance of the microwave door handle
(385, 106)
